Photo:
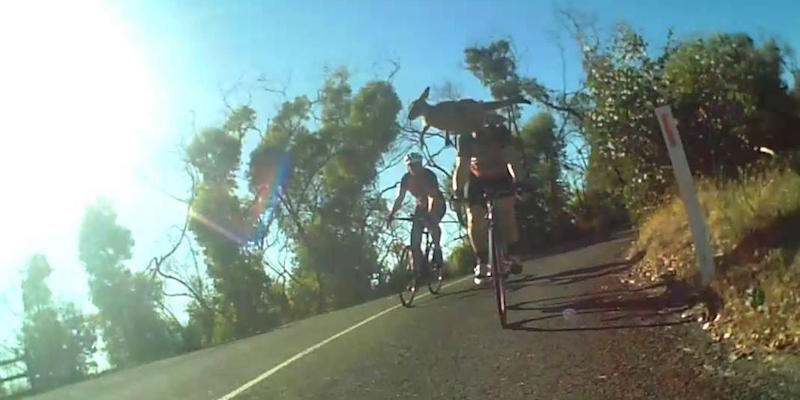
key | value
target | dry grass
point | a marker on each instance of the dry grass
(755, 232)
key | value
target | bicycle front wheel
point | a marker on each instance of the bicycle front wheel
(407, 278)
(496, 258)
(435, 271)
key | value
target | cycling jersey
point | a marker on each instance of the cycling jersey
(486, 150)
(422, 185)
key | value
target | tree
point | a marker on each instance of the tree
(730, 95)
(726, 93)
(327, 206)
(796, 92)
(58, 343)
(35, 293)
(546, 213)
(191, 283)
(225, 225)
(128, 303)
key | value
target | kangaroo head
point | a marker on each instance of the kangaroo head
(419, 105)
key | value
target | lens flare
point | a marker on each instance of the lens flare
(267, 181)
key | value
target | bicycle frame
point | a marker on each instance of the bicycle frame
(427, 240)
(496, 257)
(496, 250)
(427, 268)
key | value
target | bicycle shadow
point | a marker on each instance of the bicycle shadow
(576, 275)
(570, 277)
(660, 304)
(466, 292)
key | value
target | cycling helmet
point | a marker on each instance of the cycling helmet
(413, 158)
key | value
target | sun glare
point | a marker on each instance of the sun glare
(77, 100)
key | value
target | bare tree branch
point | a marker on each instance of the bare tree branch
(432, 161)
(225, 93)
(157, 264)
(294, 216)
(383, 191)
(266, 86)
(166, 310)
(395, 69)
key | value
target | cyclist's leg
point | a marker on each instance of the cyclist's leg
(477, 228)
(436, 210)
(478, 238)
(505, 212)
(416, 238)
(508, 220)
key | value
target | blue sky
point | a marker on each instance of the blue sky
(155, 69)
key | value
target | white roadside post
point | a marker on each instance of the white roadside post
(683, 176)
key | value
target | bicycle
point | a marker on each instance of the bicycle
(496, 251)
(430, 268)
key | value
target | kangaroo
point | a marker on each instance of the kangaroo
(459, 116)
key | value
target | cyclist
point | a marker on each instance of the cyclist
(430, 209)
(487, 159)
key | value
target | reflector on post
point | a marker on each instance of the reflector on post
(683, 176)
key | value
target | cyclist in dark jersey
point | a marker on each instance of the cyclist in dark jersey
(424, 186)
(487, 159)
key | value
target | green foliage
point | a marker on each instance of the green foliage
(461, 260)
(215, 153)
(224, 225)
(133, 329)
(795, 93)
(546, 219)
(597, 212)
(199, 331)
(35, 293)
(312, 180)
(753, 227)
(496, 67)
(327, 206)
(58, 342)
(624, 83)
(726, 93)
(731, 99)
(317, 186)
(304, 294)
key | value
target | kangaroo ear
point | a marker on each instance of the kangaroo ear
(425, 93)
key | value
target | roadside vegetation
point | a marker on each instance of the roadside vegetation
(285, 211)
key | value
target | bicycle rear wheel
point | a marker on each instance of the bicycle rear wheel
(407, 278)
(435, 271)
(496, 257)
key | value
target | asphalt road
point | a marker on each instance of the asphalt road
(619, 344)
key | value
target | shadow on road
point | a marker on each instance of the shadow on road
(463, 293)
(656, 305)
(578, 244)
(571, 276)
(575, 297)
(523, 326)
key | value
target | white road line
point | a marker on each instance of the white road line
(311, 349)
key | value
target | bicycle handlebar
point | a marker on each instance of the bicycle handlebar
(515, 189)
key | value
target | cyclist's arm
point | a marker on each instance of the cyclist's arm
(461, 170)
(513, 157)
(511, 172)
(398, 202)
(461, 173)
